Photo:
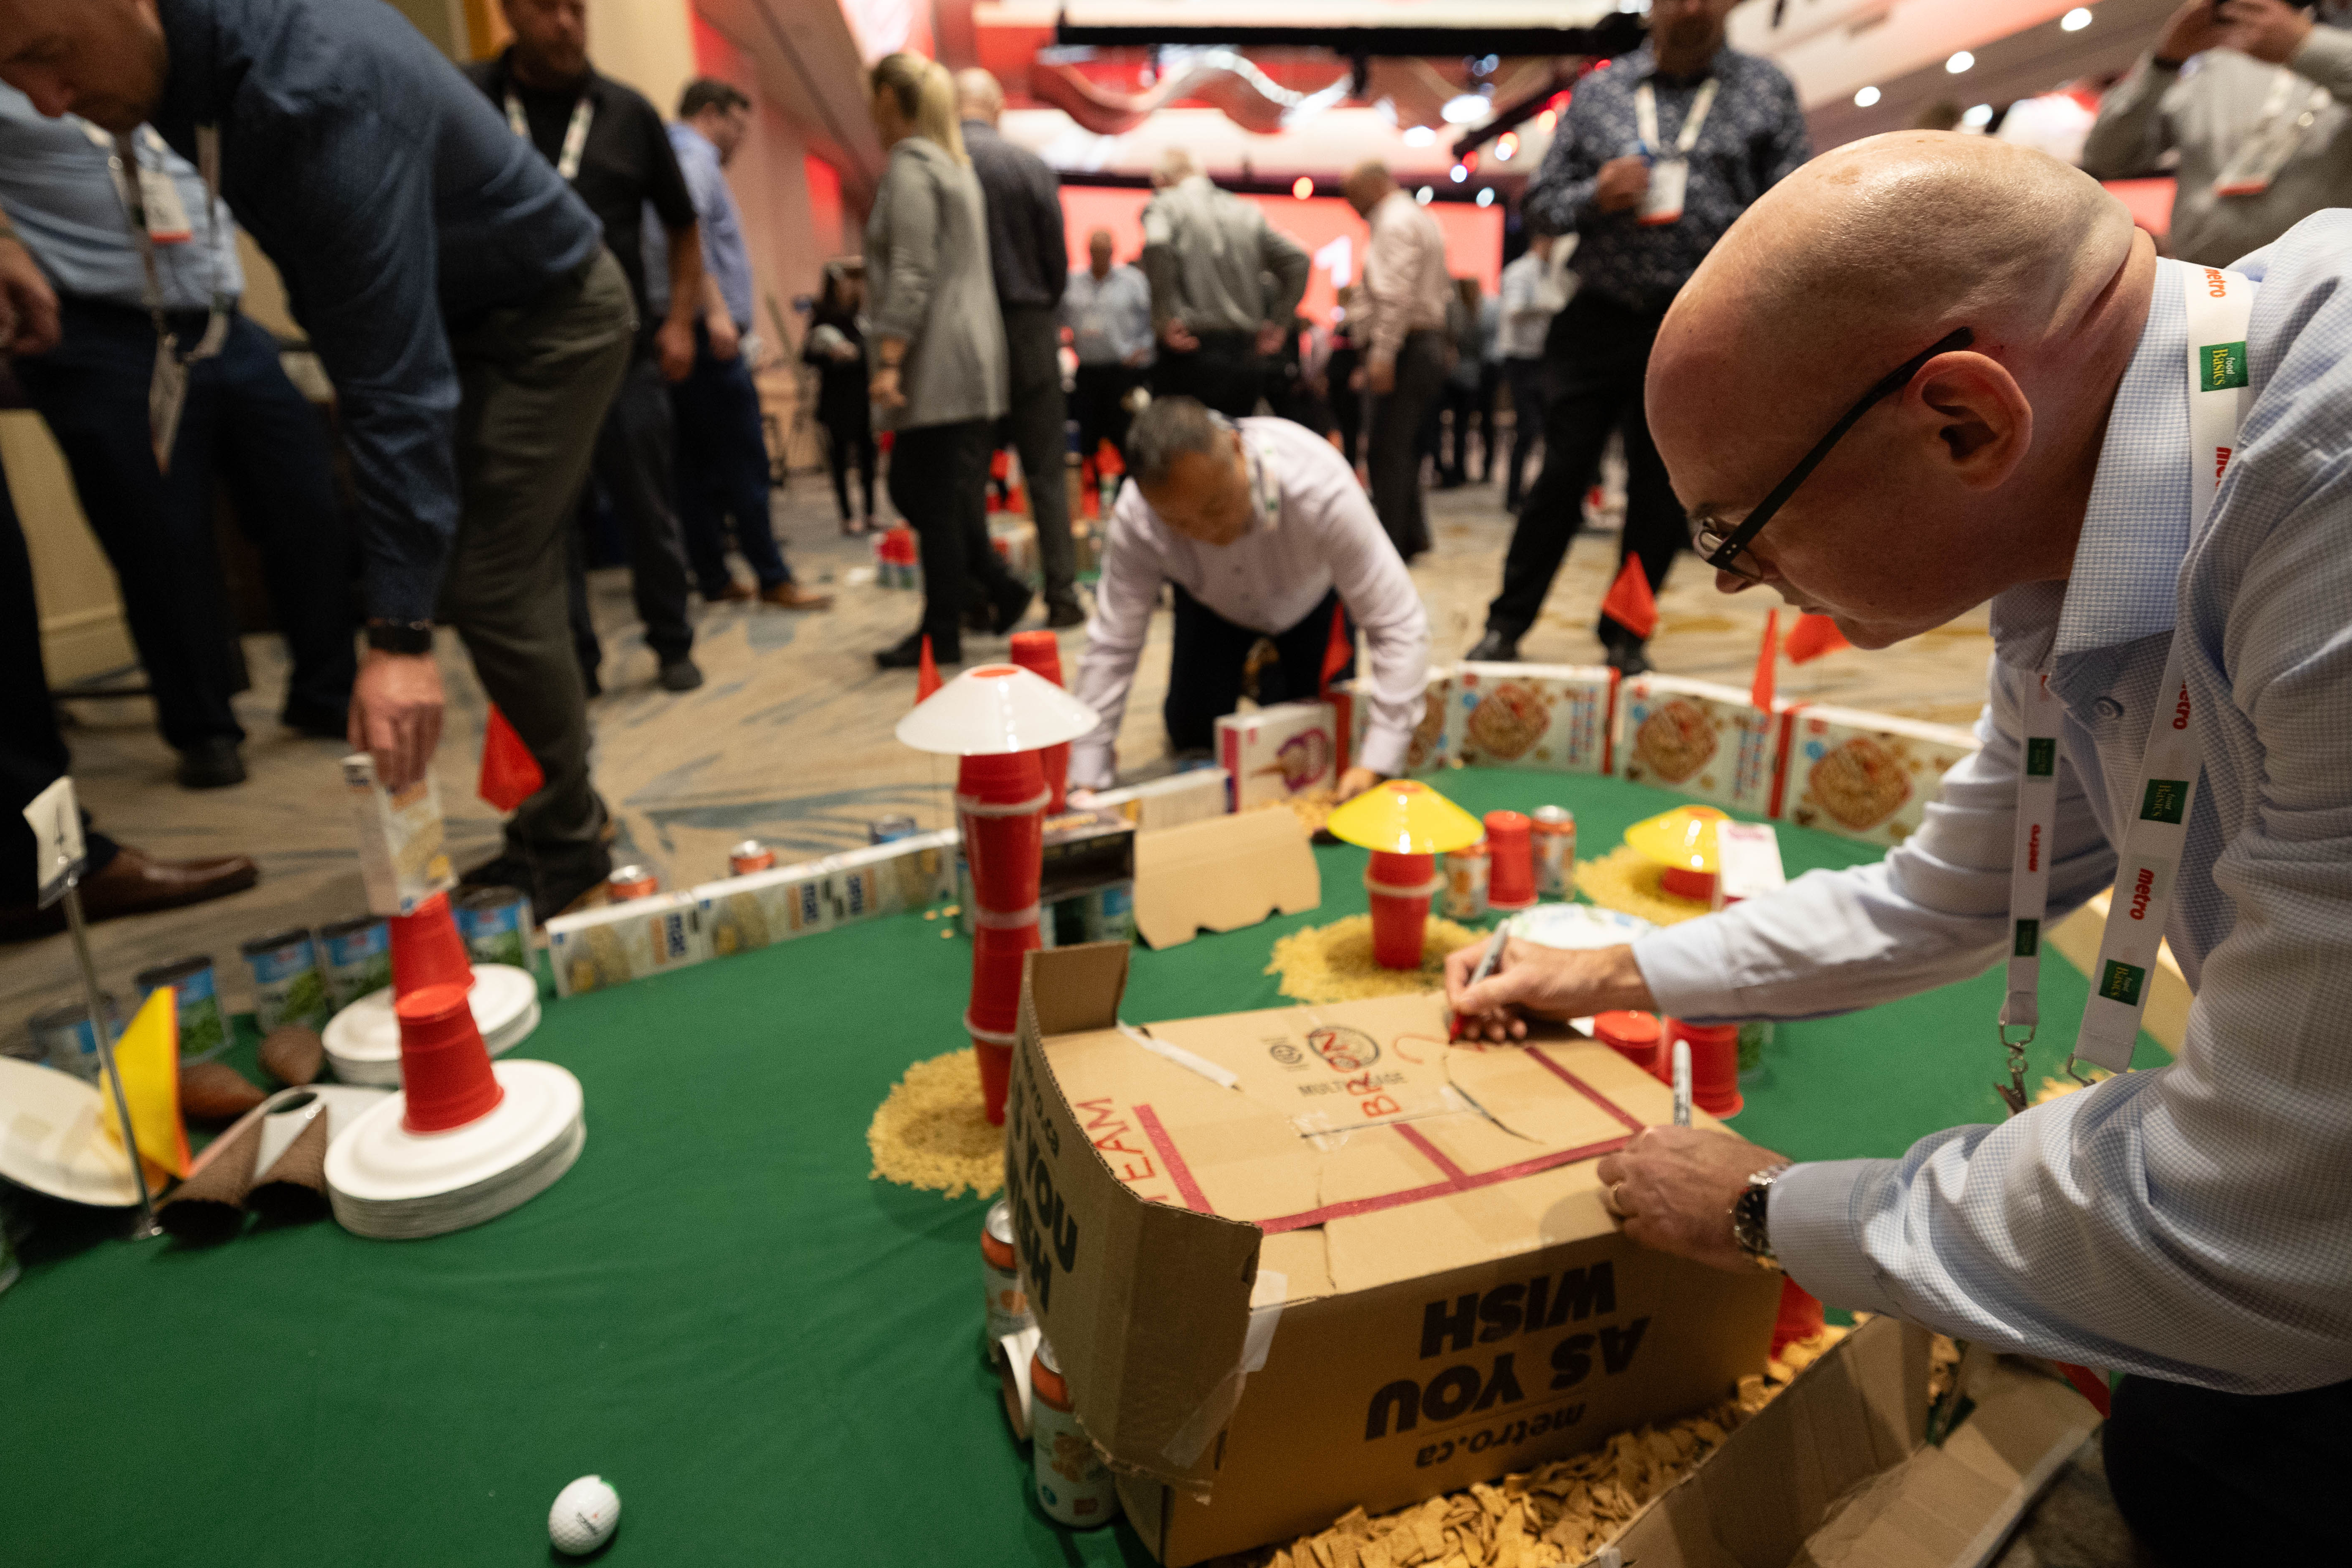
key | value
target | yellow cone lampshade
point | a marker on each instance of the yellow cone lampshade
(1682, 840)
(1405, 816)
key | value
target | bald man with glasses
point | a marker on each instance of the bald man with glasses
(2140, 464)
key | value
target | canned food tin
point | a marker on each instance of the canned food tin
(628, 882)
(1074, 1486)
(1000, 1275)
(287, 986)
(1111, 913)
(496, 924)
(1466, 882)
(1553, 831)
(749, 856)
(356, 954)
(204, 1030)
(890, 829)
(64, 1036)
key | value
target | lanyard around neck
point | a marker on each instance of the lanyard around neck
(2219, 307)
(1646, 117)
(134, 201)
(575, 135)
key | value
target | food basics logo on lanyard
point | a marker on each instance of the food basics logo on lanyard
(1669, 176)
(575, 135)
(2219, 304)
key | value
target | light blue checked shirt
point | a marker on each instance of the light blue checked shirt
(2192, 1222)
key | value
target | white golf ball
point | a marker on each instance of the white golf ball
(584, 1516)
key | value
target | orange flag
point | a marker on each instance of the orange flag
(927, 673)
(510, 774)
(1337, 651)
(1812, 636)
(1629, 602)
(1759, 691)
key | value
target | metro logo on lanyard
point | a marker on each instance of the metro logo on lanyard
(2219, 306)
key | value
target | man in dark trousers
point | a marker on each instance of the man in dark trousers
(1031, 260)
(1714, 129)
(609, 143)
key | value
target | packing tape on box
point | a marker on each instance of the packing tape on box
(1266, 1297)
(1182, 1057)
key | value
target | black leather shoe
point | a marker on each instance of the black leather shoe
(323, 723)
(210, 763)
(908, 655)
(1010, 607)
(679, 674)
(1062, 613)
(1494, 649)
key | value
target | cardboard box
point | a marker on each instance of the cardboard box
(1298, 1260)
(1170, 802)
(1706, 741)
(602, 948)
(1559, 717)
(1835, 1473)
(1746, 861)
(1867, 775)
(1221, 874)
(1279, 751)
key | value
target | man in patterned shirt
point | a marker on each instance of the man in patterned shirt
(1655, 157)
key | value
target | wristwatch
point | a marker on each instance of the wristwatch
(400, 637)
(1750, 1218)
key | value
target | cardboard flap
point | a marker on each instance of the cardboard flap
(1221, 874)
(1074, 988)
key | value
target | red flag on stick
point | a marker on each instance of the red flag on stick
(927, 673)
(1630, 603)
(1812, 636)
(510, 774)
(1759, 691)
(1337, 651)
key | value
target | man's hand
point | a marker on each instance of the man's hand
(883, 390)
(2190, 30)
(28, 306)
(725, 340)
(1178, 336)
(1623, 182)
(1532, 981)
(674, 346)
(1671, 1188)
(1269, 337)
(1138, 360)
(2269, 30)
(1379, 374)
(1356, 781)
(396, 714)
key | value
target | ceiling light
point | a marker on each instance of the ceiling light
(1302, 187)
(1487, 195)
(1959, 62)
(1547, 120)
(1507, 146)
(2077, 19)
(1462, 110)
(1979, 117)
(1423, 196)
(1420, 135)
(1457, 174)
(1865, 98)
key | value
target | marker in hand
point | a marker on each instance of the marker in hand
(1486, 967)
(1682, 1082)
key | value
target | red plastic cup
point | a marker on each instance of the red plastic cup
(1399, 886)
(1511, 875)
(995, 1077)
(1687, 884)
(996, 962)
(1634, 1035)
(1040, 653)
(444, 1070)
(1715, 1064)
(427, 949)
(1800, 1316)
(1004, 843)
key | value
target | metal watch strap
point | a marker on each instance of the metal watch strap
(1750, 1216)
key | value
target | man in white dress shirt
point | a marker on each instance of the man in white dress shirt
(1262, 531)
(2048, 447)
(1407, 350)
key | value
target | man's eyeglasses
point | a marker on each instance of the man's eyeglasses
(1720, 544)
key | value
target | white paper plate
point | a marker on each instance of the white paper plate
(383, 1162)
(363, 1039)
(1578, 926)
(51, 1139)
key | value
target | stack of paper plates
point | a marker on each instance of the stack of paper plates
(363, 1040)
(1577, 926)
(51, 1139)
(387, 1181)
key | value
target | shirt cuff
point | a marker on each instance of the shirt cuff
(1810, 1216)
(1383, 750)
(1685, 967)
(1093, 766)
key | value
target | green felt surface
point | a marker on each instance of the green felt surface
(774, 1357)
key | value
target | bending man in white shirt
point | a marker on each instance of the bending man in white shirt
(1262, 531)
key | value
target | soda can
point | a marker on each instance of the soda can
(1111, 913)
(1466, 871)
(287, 986)
(628, 882)
(203, 1029)
(1553, 831)
(1000, 1278)
(496, 924)
(749, 856)
(64, 1036)
(357, 956)
(1074, 1486)
(890, 829)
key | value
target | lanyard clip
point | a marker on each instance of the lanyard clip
(2012, 1093)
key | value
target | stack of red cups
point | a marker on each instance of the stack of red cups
(1398, 886)
(1715, 1064)
(1511, 881)
(444, 1069)
(1040, 653)
(1001, 801)
(427, 951)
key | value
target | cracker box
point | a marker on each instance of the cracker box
(891, 878)
(1170, 802)
(1427, 748)
(1557, 717)
(1304, 1259)
(743, 914)
(404, 853)
(602, 948)
(1706, 741)
(1278, 752)
(1867, 775)
(1748, 862)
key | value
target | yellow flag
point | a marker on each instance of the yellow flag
(148, 1057)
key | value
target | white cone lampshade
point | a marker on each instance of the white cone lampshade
(995, 709)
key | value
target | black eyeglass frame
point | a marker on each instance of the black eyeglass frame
(1719, 551)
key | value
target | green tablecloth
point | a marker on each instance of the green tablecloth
(774, 1357)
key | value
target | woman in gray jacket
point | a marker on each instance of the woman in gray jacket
(939, 355)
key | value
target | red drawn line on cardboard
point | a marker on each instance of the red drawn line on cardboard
(1178, 1171)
